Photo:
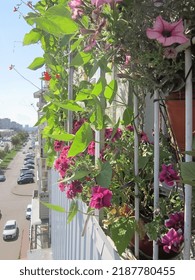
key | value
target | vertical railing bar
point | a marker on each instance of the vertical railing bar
(188, 147)
(70, 90)
(156, 163)
(97, 156)
(136, 156)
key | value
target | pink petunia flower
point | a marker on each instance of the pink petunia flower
(172, 241)
(101, 197)
(168, 175)
(167, 33)
(176, 221)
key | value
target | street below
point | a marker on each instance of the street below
(13, 206)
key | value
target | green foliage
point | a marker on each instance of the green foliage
(53, 207)
(188, 172)
(82, 139)
(105, 176)
(72, 210)
(57, 21)
(121, 232)
(37, 63)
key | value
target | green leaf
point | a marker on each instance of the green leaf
(128, 116)
(81, 58)
(72, 211)
(79, 174)
(82, 139)
(41, 120)
(105, 176)
(53, 207)
(37, 63)
(57, 21)
(32, 37)
(63, 136)
(98, 88)
(69, 105)
(122, 232)
(110, 90)
(97, 116)
(188, 173)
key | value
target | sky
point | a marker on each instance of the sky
(16, 93)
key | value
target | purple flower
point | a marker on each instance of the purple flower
(176, 221)
(172, 240)
(168, 175)
(167, 33)
(101, 197)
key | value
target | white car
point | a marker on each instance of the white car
(10, 230)
(28, 211)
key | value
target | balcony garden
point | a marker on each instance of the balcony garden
(94, 50)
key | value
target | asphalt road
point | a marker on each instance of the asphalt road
(13, 206)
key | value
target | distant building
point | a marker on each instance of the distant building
(6, 123)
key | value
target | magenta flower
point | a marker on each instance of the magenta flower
(58, 145)
(167, 33)
(63, 163)
(99, 3)
(75, 7)
(109, 132)
(144, 137)
(172, 240)
(77, 125)
(168, 175)
(62, 186)
(130, 127)
(73, 188)
(101, 197)
(176, 221)
(91, 148)
(75, 4)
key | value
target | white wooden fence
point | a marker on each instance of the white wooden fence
(67, 241)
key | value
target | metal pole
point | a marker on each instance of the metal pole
(136, 155)
(156, 163)
(188, 147)
(70, 90)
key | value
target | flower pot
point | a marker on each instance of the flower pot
(146, 250)
(176, 114)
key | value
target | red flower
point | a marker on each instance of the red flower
(47, 76)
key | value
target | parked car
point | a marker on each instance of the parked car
(29, 162)
(29, 166)
(25, 179)
(26, 170)
(10, 230)
(2, 178)
(28, 211)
